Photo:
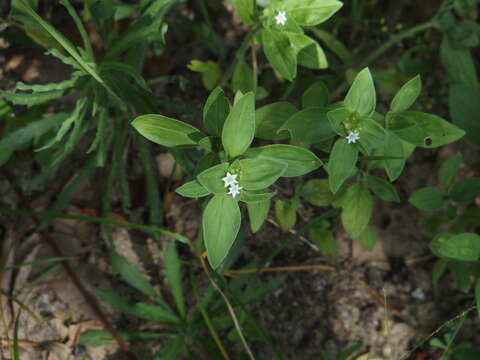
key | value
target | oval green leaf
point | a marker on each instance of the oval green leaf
(239, 127)
(221, 222)
(167, 131)
(300, 161)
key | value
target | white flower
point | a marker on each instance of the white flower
(230, 179)
(281, 18)
(353, 136)
(234, 190)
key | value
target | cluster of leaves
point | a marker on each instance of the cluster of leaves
(457, 248)
(184, 327)
(325, 125)
(461, 34)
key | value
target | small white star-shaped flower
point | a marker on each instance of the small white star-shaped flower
(234, 190)
(230, 179)
(281, 18)
(353, 136)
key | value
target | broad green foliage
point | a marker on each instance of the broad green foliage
(407, 95)
(286, 214)
(278, 51)
(341, 164)
(455, 247)
(361, 97)
(270, 118)
(215, 112)
(357, 207)
(257, 213)
(464, 107)
(422, 129)
(449, 169)
(230, 161)
(299, 161)
(239, 127)
(167, 131)
(221, 222)
(428, 199)
(324, 240)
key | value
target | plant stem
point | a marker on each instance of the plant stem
(239, 55)
(386, 46)
(396, 39)
(206, 318)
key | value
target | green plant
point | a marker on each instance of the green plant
(455, 243)
(230, 167)
(186, 323)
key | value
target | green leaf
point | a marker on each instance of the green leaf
(309, 126)
(407, 95)
(461, 275)
(464, 104)
(63, 85)
(465, 190)
(192, 189)
(458, 62)
(246, 10)
(428, 199)
(142, 310)
(211, 179)
(257, 213)
(438, 270)
(215, 111)
(75, 117)
(173, 273)
(394, 148)
(311, 12)
(422, 129)
(309, 53)
(383, 189)
(477, 296)
(210, 71)
(31, 99)
(335, 45)
(25, 7)
(316, 95)
(341, 164)
(258, 173)
(95, 338)
(167, 131)
(361, 96)
(172, 350)
(286, 214)
(324, 240)
(280, 54)
(449, 169)
(357, 206)
(368, 238)
(270, 118)
(255, 196)
(242, 79)
(317, 192)
(131, 274)
(300, 161)
(239, 127)
(221, 222)
(372, 135)
(33, 130)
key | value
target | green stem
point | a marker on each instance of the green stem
(396, 39)
(94, 219)
(240, 54)
(386, 46)
(206, 318)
